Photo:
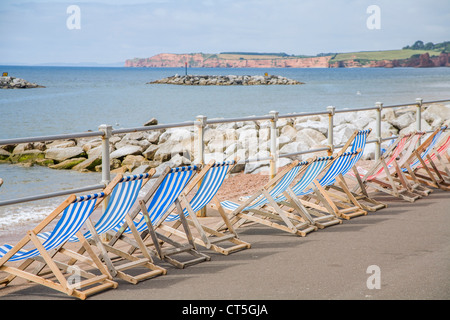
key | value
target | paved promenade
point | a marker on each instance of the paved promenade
(409, 243)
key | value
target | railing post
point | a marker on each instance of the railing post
(106, 171)
(419, 102)
(106, 166)
(200, 123)
(379, 106)
(331, 112)
(273, 144)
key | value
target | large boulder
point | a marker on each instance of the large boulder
(61, 154)
(125, 151)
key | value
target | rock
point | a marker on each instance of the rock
(27, 156)
(322, 127)
(435, 112)
(132, 161)
(126, 150)
(151, 122)
(310, 137)
(61, 144)
(61, 154)
(142, 169)
(403, 121)
(68, 164)
(16, 83)
(88, 164)
(230, 80)
(149, 153)
(4, 155)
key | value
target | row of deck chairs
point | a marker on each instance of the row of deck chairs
(141, 221)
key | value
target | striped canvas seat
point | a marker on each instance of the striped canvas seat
(71, 221)
(396, 148)
(209, 180)
(422, 159)
(120, 202)
(359, 143)
(121, 199)
(153, 209)
(427, 150)
(440, 149)
(275, 192)
(267, 205)
(71, 216)
(211, 183)
(165, 196)
(311, 173)
(337, 168)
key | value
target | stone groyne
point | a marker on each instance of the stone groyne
(230, 80)
(8, 82)
(137, 152)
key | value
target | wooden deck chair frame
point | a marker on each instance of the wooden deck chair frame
(72, 214)
(292, 222)
(343, 207)
(120, 202)
(148, 228)
(437, 153)
(356, 141)
(312, 213)
(207, 236)
(385, 175)
(408, 167)
(427, 171)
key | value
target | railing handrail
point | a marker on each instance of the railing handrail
(105, 132)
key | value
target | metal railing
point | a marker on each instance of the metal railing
(106, 132)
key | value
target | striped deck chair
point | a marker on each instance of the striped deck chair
(72, 215)
(123, 192)
(417, 161)
(290, 196)
(252, 208)
(347, 207)
(357, 141)
(441, 149)
(153, 209)
(385, 175)
(210, 178)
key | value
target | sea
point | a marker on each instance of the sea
(79, 99)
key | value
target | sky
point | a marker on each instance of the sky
(106, 32)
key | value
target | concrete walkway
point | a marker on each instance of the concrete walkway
(408, 243)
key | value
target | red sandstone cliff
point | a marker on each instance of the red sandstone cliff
(199, 60)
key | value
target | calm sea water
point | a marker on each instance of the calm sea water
(78, 99)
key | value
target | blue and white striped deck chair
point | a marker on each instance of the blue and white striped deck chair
(417, 160)
(72, 215)
(290, 197)
(154, 208)
(123, 193)
(253, 208)
(333, 173)
(210, 178)
(356, 142)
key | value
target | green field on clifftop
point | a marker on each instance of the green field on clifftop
(382, 55)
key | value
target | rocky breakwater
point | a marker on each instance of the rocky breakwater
(8, 82)
(137, 152)
(230, 80)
